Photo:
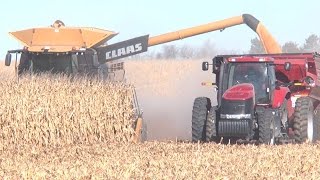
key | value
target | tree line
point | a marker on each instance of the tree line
(311, 44)
(209, 50)
(186, 51)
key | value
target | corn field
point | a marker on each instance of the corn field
(53, 127)
(50, 110)
(161, 160)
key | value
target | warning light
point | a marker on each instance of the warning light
(208, 84)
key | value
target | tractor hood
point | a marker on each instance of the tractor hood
(239, 92)
(58, 38)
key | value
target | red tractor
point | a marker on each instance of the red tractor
(268, 98)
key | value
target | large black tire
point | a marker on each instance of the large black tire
(201, 107)
(317, 119)
(266, 126)
(305, 125)
(284, 116)
(211, 131)
(144, 133)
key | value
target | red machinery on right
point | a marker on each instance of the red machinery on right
(266, 98)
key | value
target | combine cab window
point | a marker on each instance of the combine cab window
(52, 63)
(253, 73)
(80, 63)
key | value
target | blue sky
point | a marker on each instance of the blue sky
(287, 20)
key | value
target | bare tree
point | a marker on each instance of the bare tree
(312, 43)
(206, 50)
(291, 47)
(169, 51)
(187, 52)
(256, 47)
(158, 55)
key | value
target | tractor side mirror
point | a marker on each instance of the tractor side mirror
(8, 59)
(287, 66)
(205, 66)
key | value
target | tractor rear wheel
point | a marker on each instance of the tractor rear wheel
(305, 125)
(266, 126)
(317, 119)
(211, 131)
(201, 106)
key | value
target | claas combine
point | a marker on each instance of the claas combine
(84, 50)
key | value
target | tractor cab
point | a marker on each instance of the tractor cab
(240, 77)
(254, 72)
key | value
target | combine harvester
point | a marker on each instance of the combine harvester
(82, 50)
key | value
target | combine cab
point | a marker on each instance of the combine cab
(261, 98)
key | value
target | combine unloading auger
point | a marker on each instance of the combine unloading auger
(141, 44)
(83, 50)
(268, 41)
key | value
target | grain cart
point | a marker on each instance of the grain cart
(266, 98)
(83, 50)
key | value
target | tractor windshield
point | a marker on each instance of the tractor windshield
(253, 73)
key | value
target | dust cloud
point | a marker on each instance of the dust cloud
(166, 91)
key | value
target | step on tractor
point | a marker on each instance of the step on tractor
(265, 98)
(84, 50)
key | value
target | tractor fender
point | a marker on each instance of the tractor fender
(279, 96)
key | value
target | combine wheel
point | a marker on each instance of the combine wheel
(266, 126)
(200, 111)
(305, 125)
(211, 131)
(144, 133)
(140, 131)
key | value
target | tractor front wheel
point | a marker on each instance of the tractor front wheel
(266, 126)
(201, 107)
(211, 131)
